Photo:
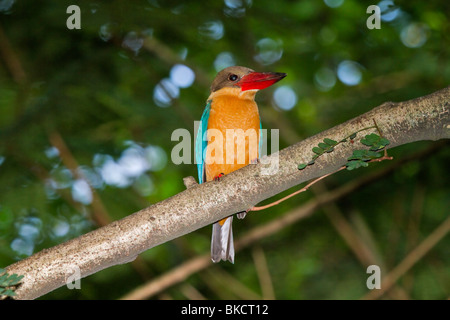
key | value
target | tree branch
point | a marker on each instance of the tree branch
(198, 263)
(424, 118)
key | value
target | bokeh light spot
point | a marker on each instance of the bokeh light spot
(224, 60)
(349, 73)
(6, 5)
(334, 3)
(182, 76)
(105, 33)
(324, 79)
(285, 98)
(389, 11)
(165, 91)
(236, 8)
(269, 51)
(22, 247)
(133, 42)
(81, 192)
(414, 35)
(212, 29)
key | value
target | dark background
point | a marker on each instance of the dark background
(86, 118)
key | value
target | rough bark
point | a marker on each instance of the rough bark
(424, 118)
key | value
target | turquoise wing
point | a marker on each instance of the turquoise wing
(201, 142)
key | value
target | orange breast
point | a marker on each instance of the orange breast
(233, 132)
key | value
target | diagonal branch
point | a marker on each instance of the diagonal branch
(424, 118)
(198, 263)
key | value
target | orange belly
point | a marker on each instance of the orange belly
(233, 134)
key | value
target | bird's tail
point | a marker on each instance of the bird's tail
(222, 246)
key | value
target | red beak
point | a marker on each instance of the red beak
(259, 80)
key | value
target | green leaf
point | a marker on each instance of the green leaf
(14, 279)
(355, 164)
(9, 293)
(3, 279)
(374, 141)
(370, 139)
(373, 154)
(302, 166)
(317, 150)
(323, 146)
(357, 155)
(10, 281)
(364, 155)
(330, 142)
(383, 142)
(352, 136)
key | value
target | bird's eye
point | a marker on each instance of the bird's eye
(233, 77)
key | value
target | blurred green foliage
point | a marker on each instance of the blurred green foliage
(88, 114)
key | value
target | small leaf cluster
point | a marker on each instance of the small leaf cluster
(8, 283)
(360, 158)
(326, 146)
(375, 142)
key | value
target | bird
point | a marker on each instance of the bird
(230, 107)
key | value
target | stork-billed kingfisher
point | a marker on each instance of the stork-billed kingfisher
(231, 105)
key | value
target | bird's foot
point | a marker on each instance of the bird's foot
(218, 177)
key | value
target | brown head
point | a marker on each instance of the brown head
(245, 78)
